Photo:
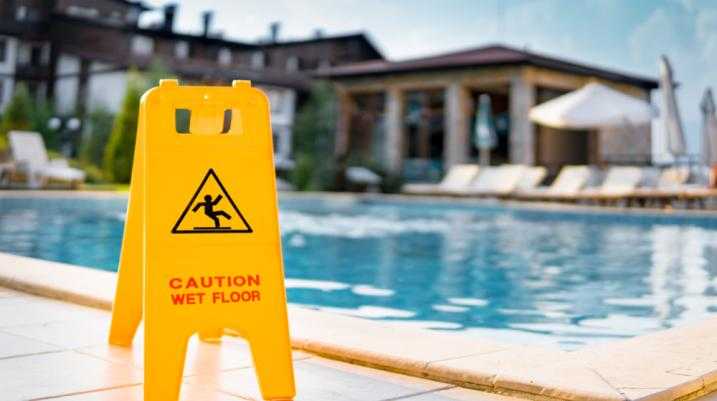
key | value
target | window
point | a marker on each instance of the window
(23, 53)
(85, 12)
(275, 100)
(292, 63)
(276, 139)
(132, 16)
(3, 52)
(36, 55)
(31, 54)
(257, 60)
(181, 50)
(225, 56)
(21, 13)
(142, 45)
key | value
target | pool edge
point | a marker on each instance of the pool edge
(523, 371)
(556, 207)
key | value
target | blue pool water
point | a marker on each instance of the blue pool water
(510, 274)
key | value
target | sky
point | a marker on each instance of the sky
(624, 35)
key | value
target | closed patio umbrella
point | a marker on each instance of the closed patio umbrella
(484, 135)
(671, 113)
(709, 131)
(592, 106)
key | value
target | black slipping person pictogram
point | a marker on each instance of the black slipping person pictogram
(208, 206)
(219, 213)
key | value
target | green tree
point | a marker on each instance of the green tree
(17, 114)
(313, 140)
(157, 70)
(119, 152)
(97, 132)
(40, 114)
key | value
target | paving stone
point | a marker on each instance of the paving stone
(460, 394)
(708, 397)
(134, 393)
(67, 334)
(8, 293)
(17, 311)
(324, 380)
(202, 357)
(484, 368)
(60, 373)
(13, 345)
(404, 348)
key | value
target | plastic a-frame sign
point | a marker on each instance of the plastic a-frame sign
(201, 249)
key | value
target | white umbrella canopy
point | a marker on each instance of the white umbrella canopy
(592, 106)
(709, 129)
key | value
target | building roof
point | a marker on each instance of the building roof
(493, 55)
(135, 3)
(359, 36)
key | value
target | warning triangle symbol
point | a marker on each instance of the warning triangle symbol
(211, 210)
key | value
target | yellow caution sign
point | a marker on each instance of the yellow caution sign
(201, 249)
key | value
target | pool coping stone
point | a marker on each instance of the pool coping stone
(555, 207)
(675, 364)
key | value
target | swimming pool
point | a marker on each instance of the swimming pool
(507, 273)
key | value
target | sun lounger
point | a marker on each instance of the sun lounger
(672, 187)
(673, 177)
(457, 178)
(566, 185)
(494, 181)
(30, 159)
(663, 190)
(532, 177)
(618, 184)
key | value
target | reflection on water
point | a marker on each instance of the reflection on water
(508, 274)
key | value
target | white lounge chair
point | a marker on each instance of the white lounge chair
(458, 178)
(618, 183)
(532, 177)
(30, 158)
(672, 186)
(496, 181)
(673, 177)
(566, 185)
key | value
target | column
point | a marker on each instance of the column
(394, 130)
(522, 130)
(457, 105)
(343, 125)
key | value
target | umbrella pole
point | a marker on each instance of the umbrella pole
(484, 156)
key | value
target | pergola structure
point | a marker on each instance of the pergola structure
(421, 110)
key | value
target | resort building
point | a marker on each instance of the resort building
(415, 117)
(77, 54)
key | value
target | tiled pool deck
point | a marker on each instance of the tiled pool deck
(57, 350)
(49, 348)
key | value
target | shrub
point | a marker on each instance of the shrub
(41, 112)
(17, 114)
(96, 134)
(119, 152)
(301, 174)
(313, 139)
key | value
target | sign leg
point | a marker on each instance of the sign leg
(271, 354)
(164, 353)
(127, 307)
